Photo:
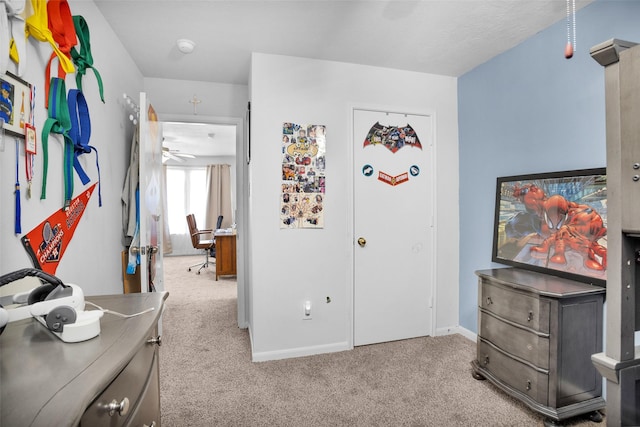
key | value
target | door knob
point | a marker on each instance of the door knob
(138, 250)
(362, 241)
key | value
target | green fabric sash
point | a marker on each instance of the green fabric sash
(58, 122)
(84, 59)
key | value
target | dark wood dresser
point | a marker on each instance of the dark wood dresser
(536, 335)
(225, 254)
(110, 380)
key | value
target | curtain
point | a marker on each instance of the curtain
(218, 196)
(167, 247)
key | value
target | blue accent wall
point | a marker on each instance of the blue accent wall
(531, 110)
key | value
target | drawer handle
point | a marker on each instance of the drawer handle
(528, 385)
(486, 360)
(530, 316)
(157, 340)
(121, 408)
(489, 301)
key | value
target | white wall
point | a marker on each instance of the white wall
(171, 97)
(288, 266)
(92, 259)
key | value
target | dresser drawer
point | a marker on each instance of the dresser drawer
(524, 309)
(519, 376)
(129, 384)
(536, 335)
(523, 343)
(147, 412)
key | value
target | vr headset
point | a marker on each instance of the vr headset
(57, 306)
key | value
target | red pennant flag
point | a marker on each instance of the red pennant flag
(46, 243)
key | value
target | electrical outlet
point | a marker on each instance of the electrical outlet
(306, 310)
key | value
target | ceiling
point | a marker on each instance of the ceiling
(199, 139)
(445, 37)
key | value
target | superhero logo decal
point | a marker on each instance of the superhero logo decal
(393, 180)
(392, 137)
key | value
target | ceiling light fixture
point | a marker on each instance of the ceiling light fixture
(185, 45)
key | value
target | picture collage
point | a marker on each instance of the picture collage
(303, 176)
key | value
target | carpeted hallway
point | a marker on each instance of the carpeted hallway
(207, 377)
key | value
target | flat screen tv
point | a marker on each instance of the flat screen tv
(553, 223)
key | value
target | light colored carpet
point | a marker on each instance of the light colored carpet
(207, 377)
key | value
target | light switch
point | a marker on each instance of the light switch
(307, 310)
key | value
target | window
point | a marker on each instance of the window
(186, 193)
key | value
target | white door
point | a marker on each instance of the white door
(151, 193)
(393, 217)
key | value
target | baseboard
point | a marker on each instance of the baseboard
(250, 338)
(457, 330)
(298, 352)
(265, 356)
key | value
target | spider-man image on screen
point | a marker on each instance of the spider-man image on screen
(553, 221)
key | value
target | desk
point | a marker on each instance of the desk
(47, 382)
(225, 254)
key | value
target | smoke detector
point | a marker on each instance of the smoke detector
(185, 45)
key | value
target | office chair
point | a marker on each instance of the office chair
(198, 242)
(212, 251)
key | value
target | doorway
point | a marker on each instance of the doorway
(393, 226)
(226, 145)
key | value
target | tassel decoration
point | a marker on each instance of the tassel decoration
(571, 24)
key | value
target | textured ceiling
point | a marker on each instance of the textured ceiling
(432, 36)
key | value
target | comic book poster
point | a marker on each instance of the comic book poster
(303, 176)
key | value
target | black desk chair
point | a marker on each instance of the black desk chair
(212, 251)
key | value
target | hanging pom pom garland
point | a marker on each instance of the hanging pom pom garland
(571, 29)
